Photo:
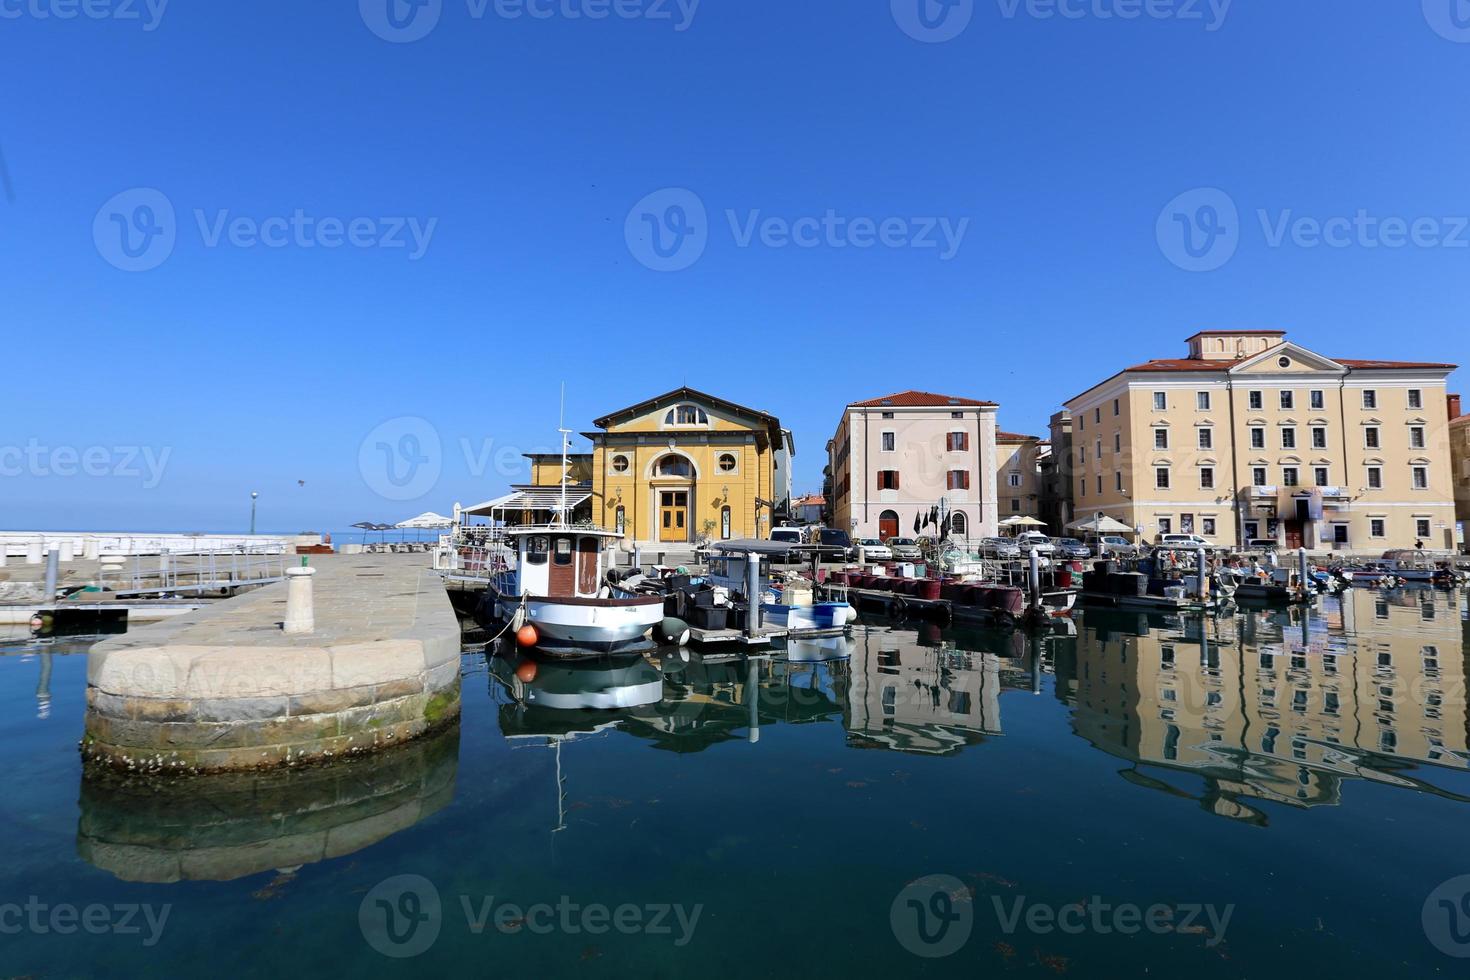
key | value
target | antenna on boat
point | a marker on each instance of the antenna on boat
(566, 442)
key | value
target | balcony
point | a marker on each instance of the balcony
(1264, 492)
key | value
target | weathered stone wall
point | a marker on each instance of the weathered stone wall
(225, 689)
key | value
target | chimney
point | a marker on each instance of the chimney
(1454, 401)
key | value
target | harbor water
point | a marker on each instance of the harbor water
(1266, 793)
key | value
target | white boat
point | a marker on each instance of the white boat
(789, 606)
(558, 586)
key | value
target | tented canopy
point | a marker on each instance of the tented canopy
(425, 521)
(548, 499)
(1101, 524)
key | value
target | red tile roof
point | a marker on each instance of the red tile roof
(1168, 364)
(1014, 437)
(1462, 418)
(1390, 365)
(919, 399)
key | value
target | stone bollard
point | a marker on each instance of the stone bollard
(35, 552)
(300, 614)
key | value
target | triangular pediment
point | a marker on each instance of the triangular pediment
(1287, 358)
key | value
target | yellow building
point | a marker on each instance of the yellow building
(1018, 475)
(1253, 438)
(687, 466)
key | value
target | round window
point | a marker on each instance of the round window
(620, 464)
(1285, 362)
(727, 463)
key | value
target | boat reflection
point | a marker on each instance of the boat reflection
(1286, 706)
(228, 826)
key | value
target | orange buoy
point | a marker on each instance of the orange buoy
(527, 636)
(526, 672)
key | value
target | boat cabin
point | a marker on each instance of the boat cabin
(558, 561)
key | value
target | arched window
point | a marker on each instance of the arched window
(686, 415)
(622, 519)
(727, 462)
(674, 466)
(958, 523)
(725, 523)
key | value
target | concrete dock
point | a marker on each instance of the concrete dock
(225, 688)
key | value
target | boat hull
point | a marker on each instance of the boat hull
(583, 626)
(820, 616)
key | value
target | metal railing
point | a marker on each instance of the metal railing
(168, 574)
(477, 555)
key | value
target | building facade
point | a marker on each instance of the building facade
(1460, 463)
(1018, 475)
(896, 459)
(1056, 476)
(1254, 438)
(684, 467)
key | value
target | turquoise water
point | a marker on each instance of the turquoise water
(1282, 793)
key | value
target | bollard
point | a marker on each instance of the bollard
(35, 552)
(53, 570)
(753, 593)
(4, 557)
(1033, 578)
(1302, 567)
(300, 613)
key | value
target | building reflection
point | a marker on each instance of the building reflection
(935, 693)
(227, 826)
(1282, 706)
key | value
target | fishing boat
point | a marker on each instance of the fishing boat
(558, 585)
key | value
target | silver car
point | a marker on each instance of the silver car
(1000, 548)
(1071, 548)
(905, 549)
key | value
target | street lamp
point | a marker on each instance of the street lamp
(253, 495)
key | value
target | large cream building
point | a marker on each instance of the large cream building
(1252, 437)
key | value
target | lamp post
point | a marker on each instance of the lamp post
(253, 495)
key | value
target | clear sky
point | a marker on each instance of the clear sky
(476, 227)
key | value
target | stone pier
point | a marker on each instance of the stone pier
(226, 689)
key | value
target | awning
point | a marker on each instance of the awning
(549, 499)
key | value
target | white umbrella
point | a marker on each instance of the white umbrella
(1022, 522)
(426, 521)
(1100, 524)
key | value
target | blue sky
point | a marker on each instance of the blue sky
(1055, 150)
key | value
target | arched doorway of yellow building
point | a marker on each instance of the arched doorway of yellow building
(672, 484)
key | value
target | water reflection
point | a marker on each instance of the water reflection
(222, 827)
(1285, 706)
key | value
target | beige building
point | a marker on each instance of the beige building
(1252, 437)
(1018, 475)
(901, 457)
(1460, 460)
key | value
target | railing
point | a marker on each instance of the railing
(479, 555)
(170, 574)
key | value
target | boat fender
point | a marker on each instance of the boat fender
(672, 631)
(850, 614)
(527, 636)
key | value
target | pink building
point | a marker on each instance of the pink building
(897, 458)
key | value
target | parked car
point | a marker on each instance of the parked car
(872, 550)
(905, 549)
(1112, 546)
(999, 548)
(832, 544)
(1187, 542)
(1029, 541)
(788, 535)
(1072, 548)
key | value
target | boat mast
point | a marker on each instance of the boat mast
(566, 442)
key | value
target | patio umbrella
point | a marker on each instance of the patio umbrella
(1101, 524)
(425, 522)
(365, 527)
